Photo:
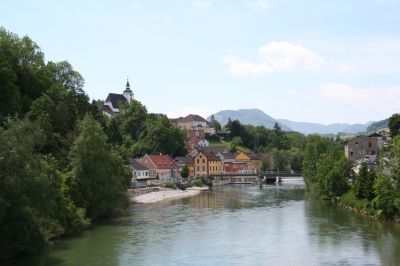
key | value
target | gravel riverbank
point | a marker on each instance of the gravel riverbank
(168, 194)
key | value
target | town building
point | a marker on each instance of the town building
(140, 175)
(206, 164)
(193, 122)
(196, 128)
(196, 138)
(114, 101)
(362, 148)
(252, 160)
(162, 167)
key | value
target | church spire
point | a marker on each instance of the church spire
(128, 86)
(128, 94)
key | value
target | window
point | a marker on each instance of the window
(369, 144)
(198, 168)
(198, 161)
(351, 153)
(204, 160)
(204, 168)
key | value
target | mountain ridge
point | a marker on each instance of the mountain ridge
(257, 117)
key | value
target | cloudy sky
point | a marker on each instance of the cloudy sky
(304, 60)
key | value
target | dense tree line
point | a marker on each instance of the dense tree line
(282, 150)
(327, 174)
(62, 162)
(326, 170)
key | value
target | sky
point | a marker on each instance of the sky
(303, 60)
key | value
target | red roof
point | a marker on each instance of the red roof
(163, 161)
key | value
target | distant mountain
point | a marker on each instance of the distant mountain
(253, 117)
(315, 128)
(378, 125)
(257, 117)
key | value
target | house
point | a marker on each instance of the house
(252, 160)
(182, 161)
(236, 167)
(242, 157)
(384, 133)
(362, 148)
(194, 122)
(140, 175)
(206, 164)
(196, 128)
(196, 139)
(161, 167)
(213, 149)
(114, 101)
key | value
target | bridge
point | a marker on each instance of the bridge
(266, 177)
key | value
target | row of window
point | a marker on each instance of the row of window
(212, 168)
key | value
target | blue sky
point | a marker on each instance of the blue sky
(304, 60)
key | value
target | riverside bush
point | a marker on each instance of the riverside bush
(171, 185)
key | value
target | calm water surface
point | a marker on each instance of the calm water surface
(233, 225)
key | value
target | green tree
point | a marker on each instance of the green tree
(98, 179)
(364, 183)
(281, 160)
(332, 173)
(23, 75)
(214, 123)
(394, 125)
(386, 195)
(315, 147)
(296, 159)
(185, 171)
(34, 208)
(160, 136)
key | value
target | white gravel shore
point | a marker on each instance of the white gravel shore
(168, 194)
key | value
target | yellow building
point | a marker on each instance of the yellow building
(206, 164)
(242, 157)
(252, 160)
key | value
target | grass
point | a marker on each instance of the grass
(350, 200)
(223, 143)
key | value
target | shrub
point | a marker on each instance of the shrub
(171, 185)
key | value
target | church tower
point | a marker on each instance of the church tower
(128, 94)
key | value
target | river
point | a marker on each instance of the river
(233, 225)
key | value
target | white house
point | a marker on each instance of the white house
(141, 175)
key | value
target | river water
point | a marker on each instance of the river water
(233, 225)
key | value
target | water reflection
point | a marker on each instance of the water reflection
(233, 225)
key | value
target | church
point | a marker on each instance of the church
(113, 102)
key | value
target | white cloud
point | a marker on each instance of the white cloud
(384, 99)
(202, 3)
(258, 5)
(187, 110)
(281, 56)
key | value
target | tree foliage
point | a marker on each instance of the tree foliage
(365, 182)
(394, 125)
(98, 179)
(34, 208)
(185, 171)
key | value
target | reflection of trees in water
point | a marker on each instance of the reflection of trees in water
(237, 197)
(332, 226)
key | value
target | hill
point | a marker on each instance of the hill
(257, 117)
(253, 117)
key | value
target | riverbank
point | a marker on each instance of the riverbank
(168, 194)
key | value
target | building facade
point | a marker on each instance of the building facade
(362, 148)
